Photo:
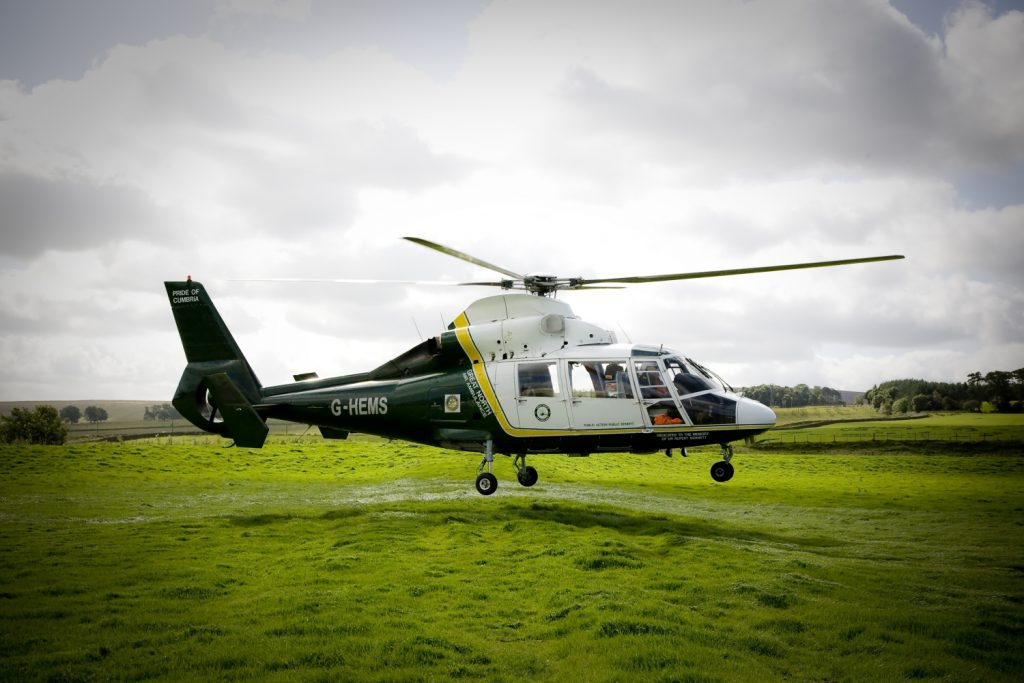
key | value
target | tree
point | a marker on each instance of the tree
(42, 425)
(158, 411)
(71, 414)
(901, 405)
(921, 403)
(881, 397)
(999, 383)
(95, 414)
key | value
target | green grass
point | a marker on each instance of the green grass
(787, 416)
(951, 427)
(370, 560)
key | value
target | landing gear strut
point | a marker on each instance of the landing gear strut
(526, 474)
(723, 470)
(486, 482)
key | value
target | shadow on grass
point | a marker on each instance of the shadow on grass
(639, 525)
(257, 520)
(999, 447)
(579, 516)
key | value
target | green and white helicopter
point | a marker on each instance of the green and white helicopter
(514, 374)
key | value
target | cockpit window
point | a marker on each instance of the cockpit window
(711, 375)
(538, 379)
(710, 409)
(688, 379)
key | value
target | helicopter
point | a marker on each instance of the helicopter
(515, 374)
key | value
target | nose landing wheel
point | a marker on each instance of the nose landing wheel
(723, 470)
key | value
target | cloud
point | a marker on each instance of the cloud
(291, 10)
(40, 214)
(719, 89)
(984, 56)
(197, 132)
(593, 139)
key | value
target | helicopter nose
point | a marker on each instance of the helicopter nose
(750, 412)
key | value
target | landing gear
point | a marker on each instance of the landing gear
(723, 470)
(486, 482)
(526, 474)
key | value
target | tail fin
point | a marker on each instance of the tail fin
(218, 387)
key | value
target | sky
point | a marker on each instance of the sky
(148, 140)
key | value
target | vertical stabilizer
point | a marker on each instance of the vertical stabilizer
(217, 379)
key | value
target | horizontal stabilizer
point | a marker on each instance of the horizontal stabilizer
(244, 424)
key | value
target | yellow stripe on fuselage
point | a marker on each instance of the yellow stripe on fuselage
(480, 371)
(465, 338)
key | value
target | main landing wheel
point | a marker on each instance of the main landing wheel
(527, 475)
(721, 471)
(486, 483)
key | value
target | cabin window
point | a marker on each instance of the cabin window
(538, 379)
(661, 409)
(599, 379)
(649, 376)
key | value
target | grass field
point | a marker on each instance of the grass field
(847, 424)
(369, 560)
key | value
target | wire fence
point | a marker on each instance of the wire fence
(884, 435)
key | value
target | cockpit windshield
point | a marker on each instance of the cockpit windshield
(690, 377)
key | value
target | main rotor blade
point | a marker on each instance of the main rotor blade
(638, 279)
(461, 255)
(351, 281)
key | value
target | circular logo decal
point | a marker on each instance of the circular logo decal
(542, 412)
(452, 403)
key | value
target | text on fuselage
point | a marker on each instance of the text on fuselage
(362, 405)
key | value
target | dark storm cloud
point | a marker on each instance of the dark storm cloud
(42, 40)
(431, 35)
(860, 90)
(933, 16)
(40, 214)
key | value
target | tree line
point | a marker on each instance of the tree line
(1001, 389)
(72, 414)
(793, 397)
(45, 425)
(157, 411)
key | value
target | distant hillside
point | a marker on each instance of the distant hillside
(117, 411)
(851, 397)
